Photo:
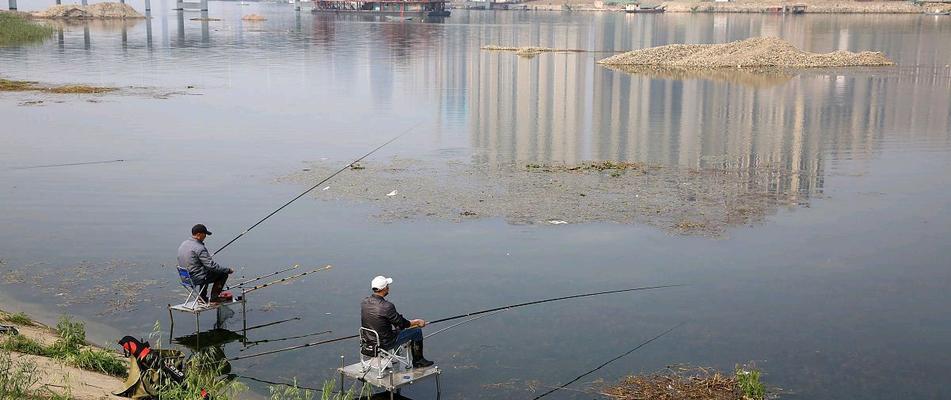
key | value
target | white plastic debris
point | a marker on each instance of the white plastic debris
(393, 193)
(557, 222)
(328, 187)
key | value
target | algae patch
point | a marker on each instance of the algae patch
(26, 86)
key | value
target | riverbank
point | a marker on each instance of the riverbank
(38, 371)
(742, 6)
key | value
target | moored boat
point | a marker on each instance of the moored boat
(643, 8)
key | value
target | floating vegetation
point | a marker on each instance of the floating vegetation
(25, 86)
(693, 383)
(759, 52)
(679, 200)
(16, 29)
(529, 51)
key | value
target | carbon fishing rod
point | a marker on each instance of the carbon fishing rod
(69, 164)
(609, 361)
(240, 284)
(491, 310)
(344, 168)
(285, 279)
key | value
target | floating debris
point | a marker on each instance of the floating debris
(687, 382)
(759, 52)
(530, 51)
(24, 86)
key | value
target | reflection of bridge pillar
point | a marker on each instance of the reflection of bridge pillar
(85, 3)
(148, 25)
(179, 5)
(86, 41)
(13, 5)
(148, 7)
(204, 8)
(296, 5)
(181, 28)
(204, 27)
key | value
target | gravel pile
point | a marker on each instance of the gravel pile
(760, 52)
(93, 11)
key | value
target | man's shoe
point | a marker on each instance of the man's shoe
(418, 360)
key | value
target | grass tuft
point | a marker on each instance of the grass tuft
(17, 30)
(19, 319)
(749, 383)
(17, 377)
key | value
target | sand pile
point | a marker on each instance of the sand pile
(253, 17)
(93, 11)
(760, 52)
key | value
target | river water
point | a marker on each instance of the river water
(840, 293)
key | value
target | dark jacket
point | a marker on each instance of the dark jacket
(380, 315)
(194, 256)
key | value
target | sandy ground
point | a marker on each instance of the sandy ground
(81, 384)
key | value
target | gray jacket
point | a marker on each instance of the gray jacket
(380, 315)
(194, 256)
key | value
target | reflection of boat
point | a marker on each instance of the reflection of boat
(428, 8)
(643, 8)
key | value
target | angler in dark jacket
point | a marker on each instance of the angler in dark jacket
(380, 315)
(194, 256)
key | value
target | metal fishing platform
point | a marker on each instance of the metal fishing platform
(391, 381)
(197, 307)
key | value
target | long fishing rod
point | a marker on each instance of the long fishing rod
(609, 361)
(285, 279)
(460, 316)
(240, 284)
(344, 168)
(463, 323)
(69, 164)
(262, 341)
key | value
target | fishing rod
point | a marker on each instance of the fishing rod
(461, 316)
(285, 279)
(240, 284)
(273, 323)
(344, 168)
(463, 323)
(609, 361)
(262, 341)
(69, 165)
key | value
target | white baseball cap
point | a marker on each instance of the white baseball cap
(380, 283)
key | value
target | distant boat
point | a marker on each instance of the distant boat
(639, 8)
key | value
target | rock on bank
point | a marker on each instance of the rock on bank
(760, 52)
(92, 11)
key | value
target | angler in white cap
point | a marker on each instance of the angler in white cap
(380, 315)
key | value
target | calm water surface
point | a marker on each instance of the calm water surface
(843, 294)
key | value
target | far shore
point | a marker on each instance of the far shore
(737, 6)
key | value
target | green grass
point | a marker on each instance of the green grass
(749, 383)
(19, 319)
(16, 377)
(70, 347)
(17, 30)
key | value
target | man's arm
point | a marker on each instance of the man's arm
(394, 318)
(205, 258)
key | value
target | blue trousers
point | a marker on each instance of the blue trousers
(407, 335)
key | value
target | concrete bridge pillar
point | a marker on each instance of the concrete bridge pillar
(204, 5)
(13, 5)
(58, 2)
(85, 3)
(148, 5)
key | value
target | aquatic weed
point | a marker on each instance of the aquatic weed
(16, 29)
(748, 382)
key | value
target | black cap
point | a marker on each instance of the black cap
(200, 229)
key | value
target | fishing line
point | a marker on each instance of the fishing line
(610, 361)
(491, 310)
(344, 168)
(69, 164)
(240, 284)
(463, 323)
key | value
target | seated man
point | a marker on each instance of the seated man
(194, 256)
(380, 315)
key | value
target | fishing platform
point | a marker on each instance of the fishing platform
(195, 304)
(387, 369)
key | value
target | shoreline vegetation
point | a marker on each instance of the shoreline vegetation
(17, 29)
(688, 382)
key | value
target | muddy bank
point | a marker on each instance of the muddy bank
(92, 11)
(688, 201)
(760, 52)
(53, 375)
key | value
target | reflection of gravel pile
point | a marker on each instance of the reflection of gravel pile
(253, 17)
(686, 201)
(92, 11)
(748, 77)
(749, 53)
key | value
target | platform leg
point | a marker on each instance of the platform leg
(244, 321)
(342, 365)
(171, 329)
(438, 391)
(197, 330)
